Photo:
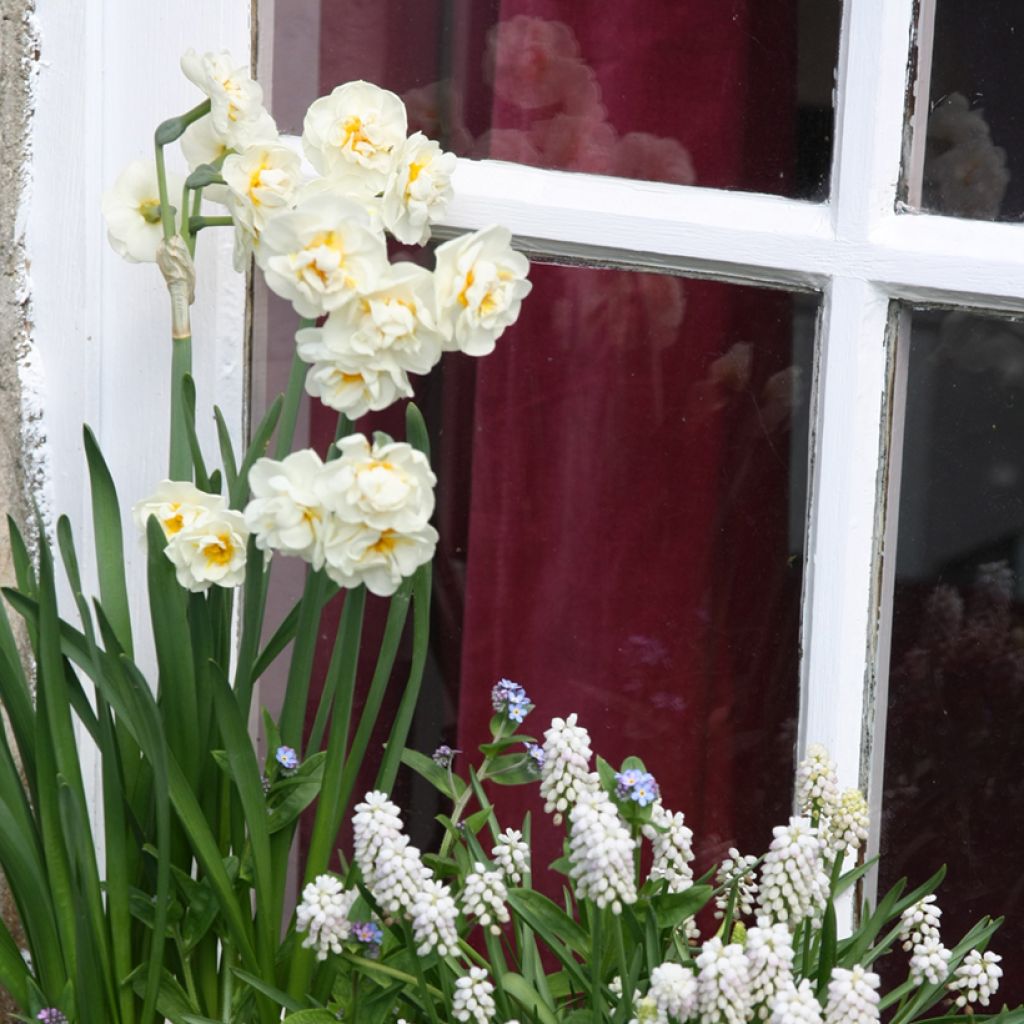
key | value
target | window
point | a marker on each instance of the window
(851, 235)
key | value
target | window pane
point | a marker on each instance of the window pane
(622, 490)
(728, 95)
(953, 784)
(974, 145)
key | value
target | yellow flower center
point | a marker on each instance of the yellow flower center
(150, 210)
(220, 551)
(173, 524)
(354, 134)
(385, 544)
(256, 180)
(467, 284)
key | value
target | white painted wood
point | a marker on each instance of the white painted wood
(108, 75)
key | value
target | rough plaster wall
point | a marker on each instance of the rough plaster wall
(20, 441)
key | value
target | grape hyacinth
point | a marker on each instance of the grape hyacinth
(375, 822)
(852, 997)
(723, 984)
(817, 786)
(848, 826)
(434, 914)
(566, 773)
(736, 872)
(976, 979)
(920, 922)
(769, 950)
(601, 852)
(399, 876)
(484, 898)
(929, 962)
(512, 854)
(474, 998)
(672, 844)
(508, 698)
(323, 913)
(673, 991)
(793, 886)
(796, 1005)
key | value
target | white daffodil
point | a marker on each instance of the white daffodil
(132, 211)
(386, 486)
(367, 198)
(210, 551)
(236, 101)
(177, 505)
(203, 144)
(285, 512)
(262, 181)
(380, 559)
(355, 132)
(321, 254)
(348, 385)
(389, 328)
(418, 190)
(480, 284)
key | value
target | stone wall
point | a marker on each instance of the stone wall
(20, 444)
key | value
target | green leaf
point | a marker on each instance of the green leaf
(528, 997)
(672, 908)
(106, 516)
(257, 449)
(827, 956)
(227, 452)
(451, 785)
(171, 1000)
(188, 402)
(299, 791)
(279, 997)
(548, 920)
(311, 1017)
(416, 429)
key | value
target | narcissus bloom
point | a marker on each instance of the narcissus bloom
(355, 133)
(322, 254)
(236, 101)
(386, 486)
(380, 559)
(177, 504)
(132, 211)
(285, 512)
(210, 551)
(262, 181)
(349, 385)
(418, 189)
(480, 284)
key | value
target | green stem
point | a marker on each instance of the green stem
(227, 982)
(180, 460)
(421, 979)
(292, 398)
(197, 223)
(186, 969)
(166, 213)
(499, 967)
(596, 953)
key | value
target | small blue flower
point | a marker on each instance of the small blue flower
(625, 781)
(367, 932)
(537, 757)
(444, 755)
(511, 699)
(645, 791)
(287, 758)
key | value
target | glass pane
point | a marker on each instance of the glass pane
(954, 791)
(728, 95)
(621, 504)
(974, 146)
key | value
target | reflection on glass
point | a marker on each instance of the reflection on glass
(621, 509)
(954, 790)
(975, 131)
(735, 95)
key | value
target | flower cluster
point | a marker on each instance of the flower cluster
(566, 773)
(474, 997)
(976, 979)
(736, 874)
(512, 854)
(484, 898)
(672, 843)
(206, 540)
(793, 885)
(323, 913)
(638, 786)
(601, 852)
(510, 699)
(321, 242)
(363, 517)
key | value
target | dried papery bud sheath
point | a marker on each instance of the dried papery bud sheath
(175, 263)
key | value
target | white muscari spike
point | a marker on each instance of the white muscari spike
(434, 914)
(929, 962)
(976, 980)
(736, 869)
(920, 922)
(848, 826)
(375, 822)
(512, 854)
(474, 998)
(723, 984)
(323, 913)
(852, 997)
(672, 844)
(399, 876)
(796, 1005)
(793, 886)
(484, 898)
(674, 992)
(817, 785)
(566, 772)
(769, 950)
(601, 852)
